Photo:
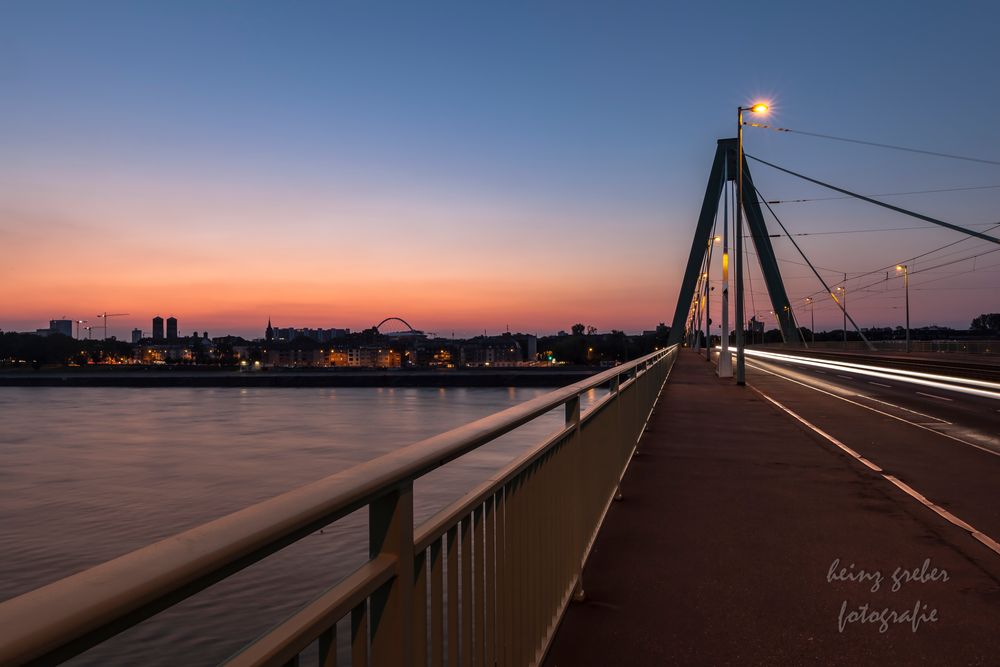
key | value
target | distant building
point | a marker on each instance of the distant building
(63, 327)
(157, 328)
(171, 328)
(291, 333)
(136, 336)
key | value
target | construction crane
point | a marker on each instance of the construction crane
(105, 316)
(78, 323)
(90, 332)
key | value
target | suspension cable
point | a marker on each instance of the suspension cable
(897, 209)
(815, 272)
(873, 143)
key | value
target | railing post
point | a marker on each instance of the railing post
(390, 531)
(573, 420)
(621, 450)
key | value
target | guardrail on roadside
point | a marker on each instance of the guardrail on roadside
(484, 581)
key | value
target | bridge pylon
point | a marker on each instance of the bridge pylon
(723, 170)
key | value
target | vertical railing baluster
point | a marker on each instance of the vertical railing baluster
(478, 587)
(420, 608)
(503, 580)
(466, 591)
(565, 510)
(437, 604)
(545, 530)
(453, 596)
(390, 531)
(534, 573)
(359, 635)
(515, 526)
(328, 647)
(490, 597)
(573, 420)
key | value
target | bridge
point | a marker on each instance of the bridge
(407, 331)
(828, 506)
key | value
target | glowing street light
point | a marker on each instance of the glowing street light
(757, 107)
(843, 307)
(906, 285)
(812, 317)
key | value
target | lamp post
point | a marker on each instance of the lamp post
(725, 358)
(708, 305)
(906, 285)
(843, 307)
(740, 324)
(812, 319)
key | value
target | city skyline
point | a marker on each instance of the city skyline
(494, 180)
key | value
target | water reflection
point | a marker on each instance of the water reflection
(88, 474)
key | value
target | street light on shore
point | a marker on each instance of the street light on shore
(812, 319)
(757, 107)
(843, 307)
(906, 285)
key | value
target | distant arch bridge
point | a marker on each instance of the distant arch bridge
(409, 330)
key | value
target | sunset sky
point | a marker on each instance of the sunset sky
(470, 166)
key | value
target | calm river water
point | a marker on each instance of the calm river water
(87, 474)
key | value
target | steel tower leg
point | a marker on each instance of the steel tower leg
(726, 149)
(709, 207)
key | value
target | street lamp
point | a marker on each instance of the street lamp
(906, 286)
(812, 318)
(843, 307)
(758, 107)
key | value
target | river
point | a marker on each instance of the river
(87, 474)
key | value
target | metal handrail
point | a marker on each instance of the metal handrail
(65, 618)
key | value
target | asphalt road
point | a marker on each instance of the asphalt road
(744, 501)
(943, 443)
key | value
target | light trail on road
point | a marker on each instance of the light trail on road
(981, 388)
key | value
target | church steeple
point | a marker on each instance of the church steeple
(269, 333)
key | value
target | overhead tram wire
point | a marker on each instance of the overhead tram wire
(873, 143)
(908, 260)
(882, 204)
(868, 231)
(815, 272)
(929, 268)
(897, 209)
(887, 194)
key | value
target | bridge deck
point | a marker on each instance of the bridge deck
(720, 551)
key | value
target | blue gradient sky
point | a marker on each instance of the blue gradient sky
(470, 165)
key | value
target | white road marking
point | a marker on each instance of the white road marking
(879, 384)
(823, 433)
(943, 398)
(900, 407)
(846, 377)
(984, 539)
(881, 412)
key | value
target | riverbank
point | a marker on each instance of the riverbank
(175, 377)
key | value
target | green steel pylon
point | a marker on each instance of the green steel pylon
(726, 150)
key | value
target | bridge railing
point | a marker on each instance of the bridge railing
(485, 581)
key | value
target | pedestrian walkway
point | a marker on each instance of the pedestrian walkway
(745, 538)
